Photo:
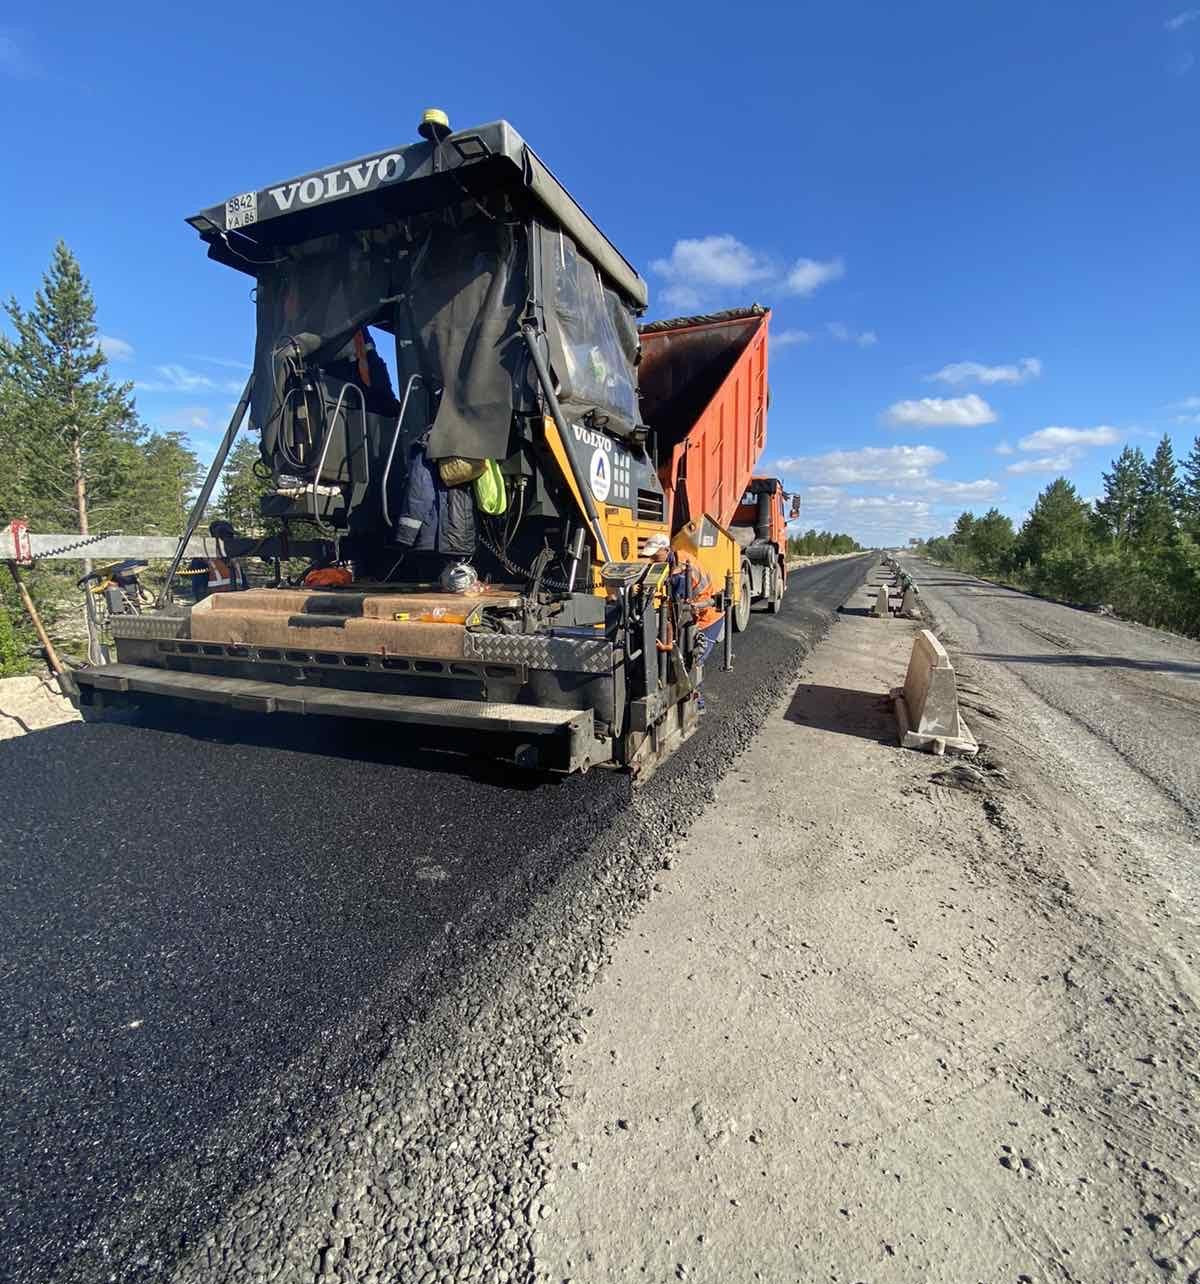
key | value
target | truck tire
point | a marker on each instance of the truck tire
(776, 603)
(741, 612)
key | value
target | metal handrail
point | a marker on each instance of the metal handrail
(316, 481)
(387, 468)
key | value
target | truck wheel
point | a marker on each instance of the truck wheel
(741, 612)
(776, 603)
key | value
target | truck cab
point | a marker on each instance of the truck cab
(760, 528)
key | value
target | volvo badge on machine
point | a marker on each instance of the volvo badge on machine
(601, 475)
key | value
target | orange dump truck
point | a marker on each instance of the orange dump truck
(703, 385)
(458, 556)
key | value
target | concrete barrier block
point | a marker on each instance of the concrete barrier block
(910, 608)
(882, 609)
(927, 704)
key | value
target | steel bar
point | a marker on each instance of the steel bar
(210, 482)
(728, 660)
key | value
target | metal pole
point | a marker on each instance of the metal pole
(39, 628)
(728, 661)
(663, 637)
(210, 482)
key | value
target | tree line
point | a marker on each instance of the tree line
(1136, 549)
(820, 544)
(75, 456)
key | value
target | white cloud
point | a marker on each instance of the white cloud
(188, 418)
(1059, 449)
(700, 268)
(942, 412)
(871, 519)
(1181, 19)
(115, 349)
(960, 372)
(966, 492)
(786, 338)
(840, 331)
(1003, 448)
(224, 362)
(1181, 63)
(713, 261)
(869, 464)
(704, 268)
(1069, 438)
(177, 378)
(904, 470)
(1060, 463)
(808, 275)
(683, 297)
(1187, 412)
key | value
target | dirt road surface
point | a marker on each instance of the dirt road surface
(1134, 690)
(284, 1001)
(891, 1017)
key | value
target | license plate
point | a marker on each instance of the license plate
(241, 211)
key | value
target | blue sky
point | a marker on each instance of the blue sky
(978, 223)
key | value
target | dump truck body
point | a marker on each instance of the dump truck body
(703, 383)
(516, 450)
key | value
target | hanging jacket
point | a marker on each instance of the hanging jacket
(220, 576)
(433, 517)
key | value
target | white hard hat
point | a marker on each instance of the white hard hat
(655, 544)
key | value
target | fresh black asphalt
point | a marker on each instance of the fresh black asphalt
(214, 934)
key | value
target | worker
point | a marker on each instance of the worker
(690, 583)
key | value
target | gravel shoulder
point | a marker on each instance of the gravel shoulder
(896, 1018)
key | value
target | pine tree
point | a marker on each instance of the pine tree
(1058, 520)
(169, 476)
(1120, 506)
(70, 432)
(242, 485)
(1160, 499)
(991, 539)
(1190, 492)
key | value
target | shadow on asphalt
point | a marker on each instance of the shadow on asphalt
(1181, 667)
(353, 740)
(865, 714)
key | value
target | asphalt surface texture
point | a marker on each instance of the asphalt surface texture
(1134, 688)
(284, 1000)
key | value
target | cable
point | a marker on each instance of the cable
(245, 257)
